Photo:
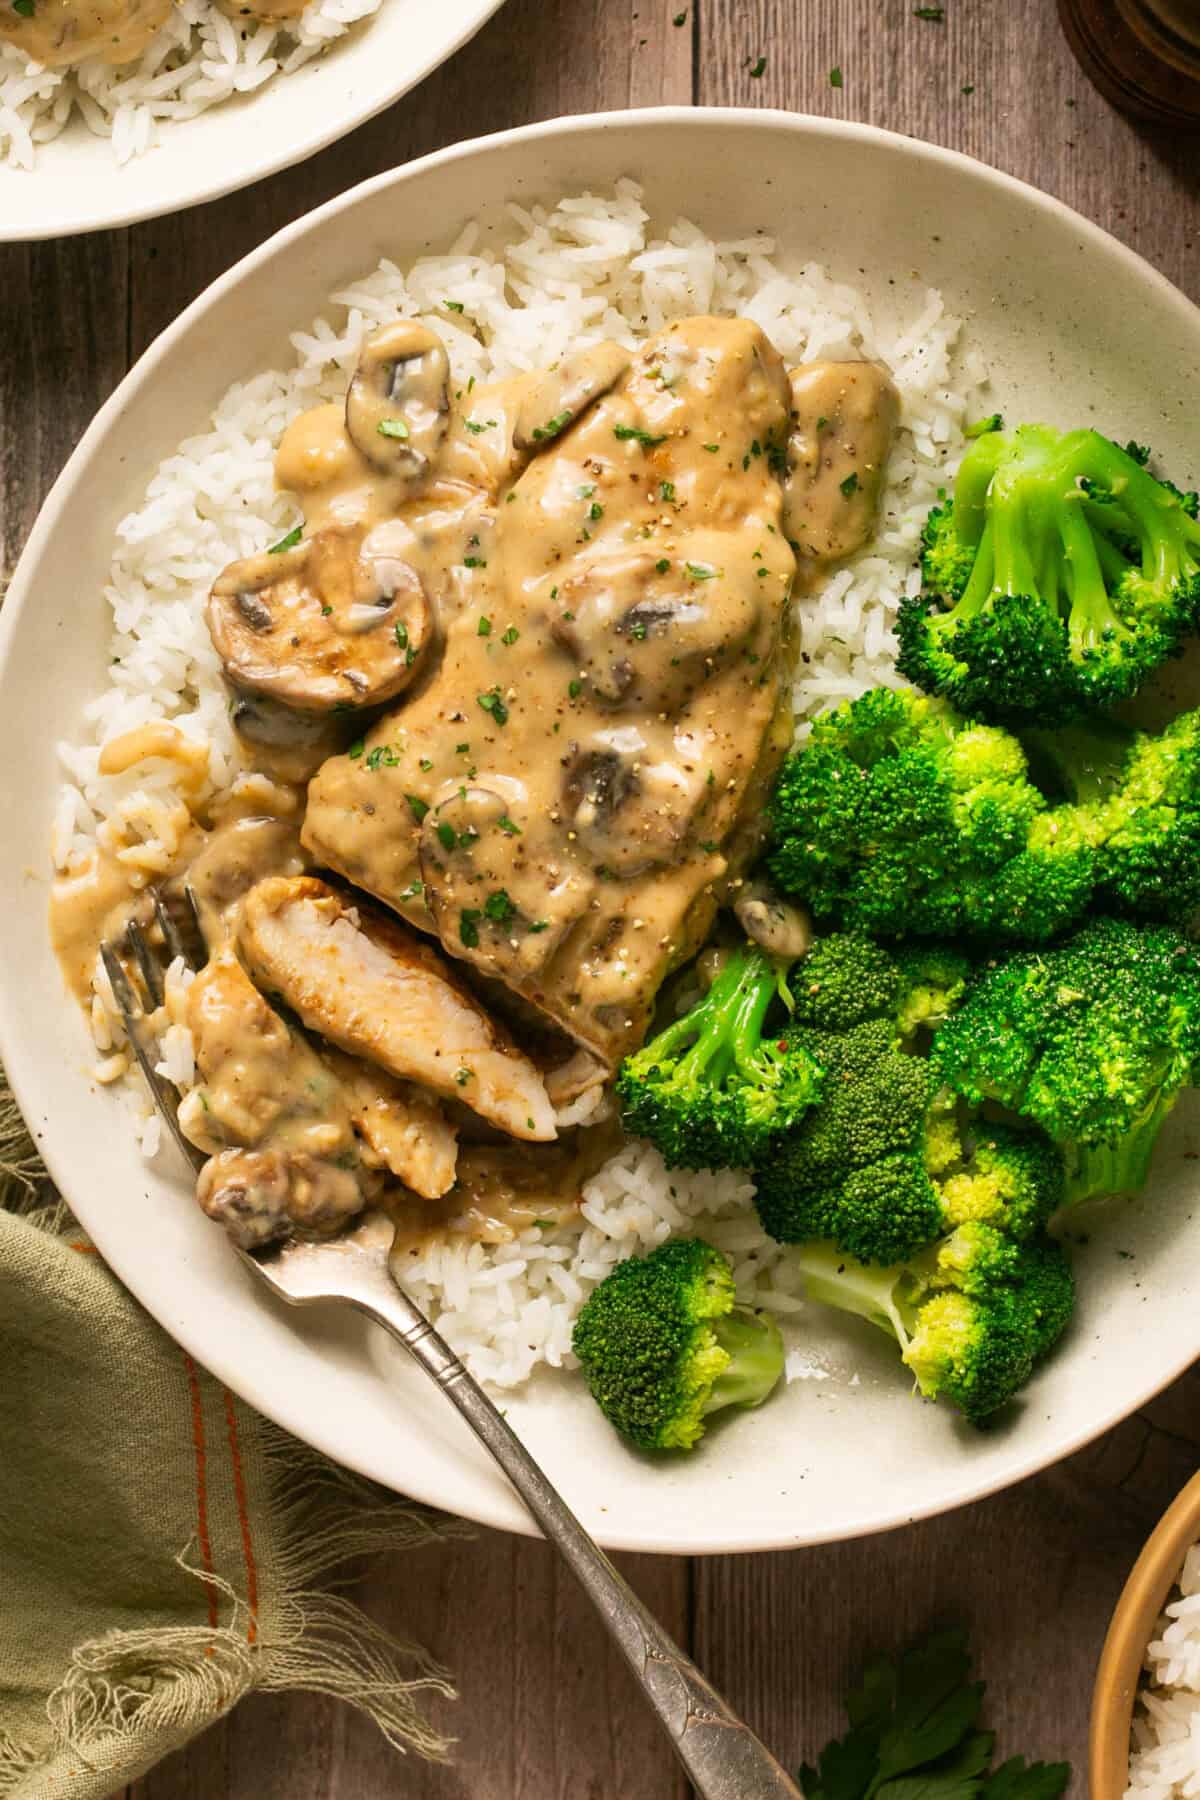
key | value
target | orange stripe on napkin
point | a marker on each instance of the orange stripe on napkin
(201, 1450)
(239, 1489)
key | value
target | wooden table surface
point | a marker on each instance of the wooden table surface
(546, 1713)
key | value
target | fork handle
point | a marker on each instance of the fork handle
(722, 1756)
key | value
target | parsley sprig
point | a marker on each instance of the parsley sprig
(913, 1736)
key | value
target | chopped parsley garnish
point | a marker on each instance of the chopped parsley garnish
(595, 510)
(474, 427)
(412, 890)
(356, 749)
(468, 926)
(711, 448)
(416, 806)
(645, 438)
(508, 826)
(933, 13)
(981, 427)
(461, 749)
(969, 89)
(297, 532)
(492, 703)
(680, 18)
(574, 688)
(393, 428)
(447, 836)
(402, 634)
(638, 631)
(662, 565)
(382, 755)
(510, 636)
(850, 485)
(462, 1076)
(835, 78)
(24, 7)
(758, 68)
(427, 763)
(326, 611)
(499, 908)
(474, 562)
(552, 427)
(700, 572)
(453, 305)
(484, 628)
(540, 925)
(666, 490)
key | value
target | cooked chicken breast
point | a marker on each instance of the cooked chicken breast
(402, 1127)
(375, 989)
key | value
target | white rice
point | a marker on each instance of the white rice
(587, 269)
(199, 58)
(1165, 1761)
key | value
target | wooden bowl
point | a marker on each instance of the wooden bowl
(1146, 1592)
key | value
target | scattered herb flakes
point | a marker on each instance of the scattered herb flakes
(356, 749)
(508, 826)
(644, 438)
(484, 628)
(552, 427)
(417, 807)
(662, 565)
(666, 490)
(491, 702)
(413, 889)
(326, 612)
(297, 532)
(981, 427)
(461, 749)
(468, 926)
(474, 562)
(701, 572)
(474, 426)
(462, 1076)
(711, 448)
(835, 78)
(540, 925)
(545, 1224)
(393, 428)
(24, 7)
(574, 688)
(969, 89)
(638, 631)
(447, 836)
(382, 756)
(510, 636)
(680, 18)
(595, 510)
(933, 15)
(453, 305)
(758, 68)
(427, 763)
(850, 485)
(499, 908)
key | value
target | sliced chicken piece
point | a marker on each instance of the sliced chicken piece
(554, 398)
(403, 1128)
(259, 1083)
(260, 1196)
(334, 622)
(372, 987)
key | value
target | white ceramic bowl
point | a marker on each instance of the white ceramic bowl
(1076, 330)
(77, 185)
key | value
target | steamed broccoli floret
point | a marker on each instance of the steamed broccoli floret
(1093, 1039)
(900, 817)
(882, 1163)
(714, 1089)
(1056, 580)
(933, 979)
(973, 1314)
(1142, 790)
(662, 1345)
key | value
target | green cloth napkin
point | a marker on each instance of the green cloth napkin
(161, 1545)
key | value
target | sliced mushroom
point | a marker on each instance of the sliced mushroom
(333, 623)
(644, 629)
(398, 401)
(260, 1196)
(630, 812)
(780, 927)
(494, 900)
(556, 397)
(844, 417)
(371, 986)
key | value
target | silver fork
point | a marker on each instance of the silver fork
(722, 1756)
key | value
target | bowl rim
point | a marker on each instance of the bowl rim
(505, 1514)
(111, 217)
(1118, 1672)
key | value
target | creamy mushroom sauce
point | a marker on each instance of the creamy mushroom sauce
(63, 33)
(532, 646)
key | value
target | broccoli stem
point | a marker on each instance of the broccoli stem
(755, 1346)
(723, 1025)
(1170, 538)
(855, 1287)
(1086, 761)
(1093, 618)
(1096, 1170)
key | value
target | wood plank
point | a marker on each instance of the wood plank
(547, 1710)
(1030, 111)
